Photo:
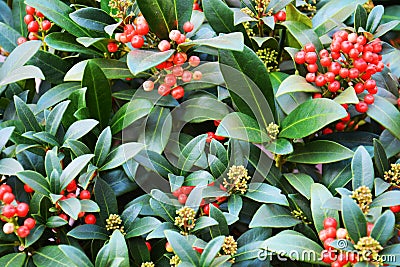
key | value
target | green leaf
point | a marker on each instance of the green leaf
(103, 146)
(76, 255)
(391, 14)
(374, 18)
(210, 251)
(296, 83)
(387, 199)
(392, 253)
(35, 180)
(303, 34)
(105, 198)
(22, 73)
(55, 221)
(222, 227)
(157, 129)
(248, 82)
(79, 129)
(319, 194)
(182, 248)
(273, 216)
(310, 117)
(98, 94)
(13, 260)
(362, 169)
(64, 41)
(243, 127)
(34, 235)
(336, 175)
(360, 18)
(384, 28)
(89, 231)
(5, 135)
(92, 18)
(142, 226)
(265, 193)
(26, 115)
(9, 166)
(118, 249)
(73, 169)
(289, 242)
(351, 213)
(321, 151)
(383, 112)
(231, 41)
(55, 116)
(191, 153)
(380, 158)
(293, 14)
(121, 154)
(129, 113)
(58, 12)
(71, 207)
(77, 147)
(383, 227)
(51, 256)
(301, 182)
(56, 94)
(348, 96)
(88, 205)
(142, 60)
(235, 204)
(204, 222)
(8, 37)
(390, 143)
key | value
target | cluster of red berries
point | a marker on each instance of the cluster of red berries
(11, 209)
(36, 23)
(183, 192)
(327, 236)
(351, 62)
(133, 33)
(212, 135)
(175, 76)
(280, 16)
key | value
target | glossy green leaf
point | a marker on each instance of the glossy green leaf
(310, 117)
(92, 18)
(222, 227)
(22, 73)
(142, 60)
(55, 116)
(34, 235)
(182, 248)
(360, 17)
(18, 13)
(35, 180)
(351, 213)
(8, 37)
(336, 175)
(243, 127)
(322, 151)
(265, 193)
(121, 154)
(103, 146)
(118, 250)
(391, 13)
(191, 153)
(129, 113)
(362, 169)
(301, 182)
(71, 207)
(105, 198)
(73, 169)
(210, 251)
(5, 135)
(98, 94)
(51, 256)
(273, 216)
(10, 166)
(13, 259)
(204, 222)
(380, 158)
(374, 18)
(79, 129)
(296, 83)
(387, 199)
(392, 253)
(303, 34)
(235, 204)
(348, 96)
(383, 227)
(55, 221)
(76, 255)
(89, 231)
(384, 28)
(26, 115)
(290, 241)
(319, 194)
(142, 226)
(67, 42)
(231, 41)
(56, 94)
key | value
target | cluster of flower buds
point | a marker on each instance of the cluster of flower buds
(36, 23)
(133, 33)
(351, 61)
(11, 211)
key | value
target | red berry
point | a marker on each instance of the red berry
(177, 192)
(168, 247)
(328, 256)
(317, 95)
(345, 106)
(361, 40)
(63, 216)
(334, 86)
(210, 137)
(344, 73)
(137, 41)
(84, 194)
(197, 249)
(336, 264)
(21, 40)
(188, 26)
(39, 14)
(330, 222)
(341, 233)
(178, 92)
(346, 46)
(142, 29)
(342, 259)
(194, 61)
(8, 197)
(299, 57)
(128, 28)
(23, 231)
(360, 64)
(164, 89)
(221, 199)
(30, 223)
(71, 195)
(33, 26)
(395, 209)
(148, 245)
(174, 35)
(182, 199)
(353, 73)
(197, 75)
(217, 123)
(148, 86)
(369, 99)
(352, 37)
(330, 232)
(164, 45)
(33, 36)
(22, 209)
(28, 189)
(30, 10)
(46, 25)
(335, 46)
(219, 138)
(359, 88)
(170, 80)
(310, 77)
(186, 189)
(186, 76)
(206, 208)
(335, 68)
(325, 61)
(373, 91)
(354, 53)
(329, 76)
(327, 131)
(312, 67)
(346, 119)
(320, 80)
(369, 84)
(369, 228)
(340, 126)
(81, 214)
(112, 47)
(8, 228)
(323, 53)
(90, 219)
(361, 107)
(71, 187)
(281, 15)
(353, 257)
(28, 19)
(311, 57)
(8, 210)
(180, 58)
(327, 243)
